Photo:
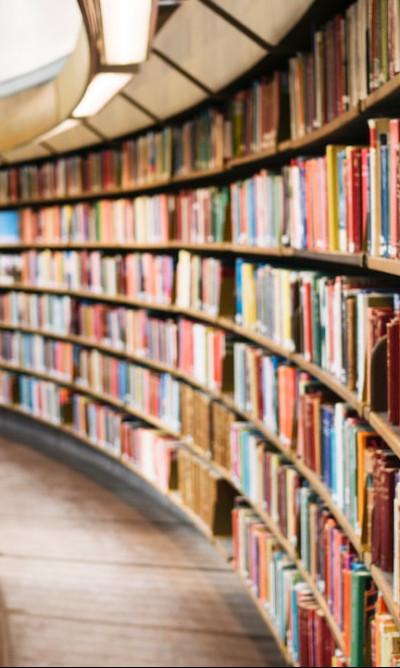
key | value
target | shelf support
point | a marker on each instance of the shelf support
(182, 71)
(90, 127)
(139, 106)
(237, 24)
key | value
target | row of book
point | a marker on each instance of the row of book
(42, 398)
(344, 201)
(199, 144)
(334, 322)
(198, 350)
(198, 216)
(370, 635)
(140, 276)
(204, 283)
(325, 433)
(352, 54)
(157, 394)
(328, 319)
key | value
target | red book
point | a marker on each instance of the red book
(304, 651)
(309, 431)
(387, 518)
(353, 189)
(393, 370)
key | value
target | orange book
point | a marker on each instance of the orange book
(287, 387)
(366, 440)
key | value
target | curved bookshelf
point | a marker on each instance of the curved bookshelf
(337, 130)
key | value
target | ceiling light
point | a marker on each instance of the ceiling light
(127, 27)
(100, 90)
(68, 124)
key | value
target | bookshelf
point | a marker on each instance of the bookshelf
(23, 386)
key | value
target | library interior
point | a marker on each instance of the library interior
(199, 333)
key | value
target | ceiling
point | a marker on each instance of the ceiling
(199, 47)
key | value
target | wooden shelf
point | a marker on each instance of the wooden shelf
(345, 259)
(384, 264)
(382, 94)
(384, 582)
(353, 259)
(321, 134)
(198, 175)
(123, 191)
(88, 294)
(251, 158)
(89, 245)
(387, 431)
(330, 381)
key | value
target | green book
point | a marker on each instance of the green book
(363, 597)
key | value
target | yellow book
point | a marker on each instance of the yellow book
(333, 195)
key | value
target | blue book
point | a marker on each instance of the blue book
(9, 226)
(303, 201)
(328, 463)
(239, 303)
(122, 380)
(384, 167)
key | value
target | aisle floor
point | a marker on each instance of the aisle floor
(106, 575)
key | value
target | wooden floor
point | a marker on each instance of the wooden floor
(107, 576)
